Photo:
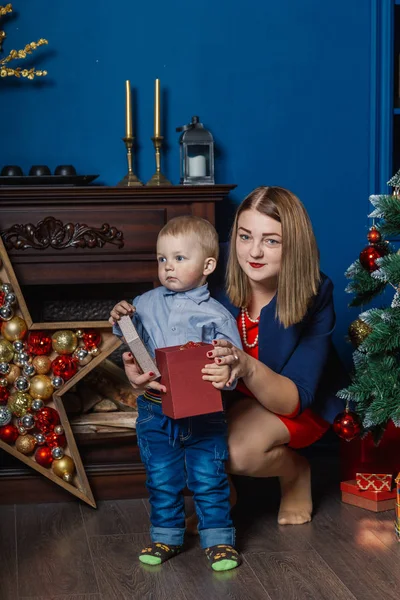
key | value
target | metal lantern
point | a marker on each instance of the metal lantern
(196, 154)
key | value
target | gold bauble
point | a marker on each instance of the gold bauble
(6, 351)
(64, 341)
(19, 403)
(15, 329)
(25, 444)
(13, 373)
(42, 364)
(94, 351)
(41, 387)
(64, 467)
(358, 331)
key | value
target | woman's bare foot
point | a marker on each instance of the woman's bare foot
(296, 502)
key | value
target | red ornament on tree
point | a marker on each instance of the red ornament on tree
(374, 235)
(347, 425)
(9, 434)
(53, 440)
(369, 255)
(4, 394)
(46, 419)
(2, 298)
(65, 366)
(43, 456)
(39, 343)
(91, 338)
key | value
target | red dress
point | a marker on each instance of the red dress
(305, 428)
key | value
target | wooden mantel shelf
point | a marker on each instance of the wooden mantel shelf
(94, 234)
(93, 194)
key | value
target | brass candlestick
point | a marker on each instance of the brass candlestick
(158, 178)
(130, 179)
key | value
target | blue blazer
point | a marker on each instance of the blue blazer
(303, 352)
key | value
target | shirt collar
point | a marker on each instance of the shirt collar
(198, 295)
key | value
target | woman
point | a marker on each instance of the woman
(288, 370)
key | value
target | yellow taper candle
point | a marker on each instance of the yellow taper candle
(128, 112)
(157, 127)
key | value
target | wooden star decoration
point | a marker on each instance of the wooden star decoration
(19, 380)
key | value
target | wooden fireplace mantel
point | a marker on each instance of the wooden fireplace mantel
(94, 234)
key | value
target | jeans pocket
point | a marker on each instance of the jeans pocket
(145, 411)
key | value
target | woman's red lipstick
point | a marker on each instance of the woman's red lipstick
(256, 265)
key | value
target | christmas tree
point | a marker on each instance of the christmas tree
(374, 393)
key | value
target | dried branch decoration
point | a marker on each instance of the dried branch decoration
(18, 54)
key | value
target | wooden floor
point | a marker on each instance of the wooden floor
(69, 551)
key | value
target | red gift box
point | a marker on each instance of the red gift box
(374, 481)
(369, 499)
(362, 455)
(187, 393)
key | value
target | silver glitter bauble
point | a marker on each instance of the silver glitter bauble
(28, 421)
(81, 353)
(37, 404)
(57, 452)
(4, 368)
(28, 370)
(10, 298)
(40, 438)
(5, 415)
(83, 356)
(59, 429)
(6, 312)
(6, 288)
(21, 358)
(57, 382)
(3, 382)
(18, 345)
(22, 384)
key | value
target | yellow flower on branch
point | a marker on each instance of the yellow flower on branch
(18, 54)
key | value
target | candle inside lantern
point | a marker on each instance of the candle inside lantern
(128, 111)
(197, 166)
(157, 127)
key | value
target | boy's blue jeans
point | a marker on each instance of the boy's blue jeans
(191, 452)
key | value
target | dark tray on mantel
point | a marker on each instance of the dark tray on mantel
(69, 180)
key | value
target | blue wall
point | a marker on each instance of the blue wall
(283, 86)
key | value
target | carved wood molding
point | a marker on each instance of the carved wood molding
(53, 233)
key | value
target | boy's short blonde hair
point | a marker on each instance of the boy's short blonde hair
(195, 226)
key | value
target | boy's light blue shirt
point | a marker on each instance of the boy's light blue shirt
(165, 318)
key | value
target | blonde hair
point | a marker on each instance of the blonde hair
(190, 225)
(299, 275)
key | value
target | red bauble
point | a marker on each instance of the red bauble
(46, 419)
(91, 339)
(39, 342)
(65, 366)
(374, 235)
(347, 425)
(2, 298)
(43, 456)
(369, 255)
(4, 394)
(53, 440)
(9, 434)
